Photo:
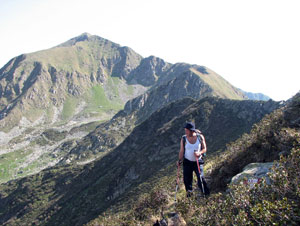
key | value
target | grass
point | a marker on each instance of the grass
(80, 57)
(113, 83)
(9, 163)
(219, 85)
(89, 127)
(33, 114)
(69, 108)
(49, 114)
(130, 90)
(98, 102)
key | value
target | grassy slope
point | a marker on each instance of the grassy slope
(220, 86)
(83, 57)
(11, 161)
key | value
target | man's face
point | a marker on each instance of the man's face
(188, 132)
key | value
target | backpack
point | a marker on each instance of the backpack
(201, 160)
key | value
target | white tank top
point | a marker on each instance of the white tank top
(189, 149)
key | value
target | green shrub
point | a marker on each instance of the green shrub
(277, 203)
(151, 204)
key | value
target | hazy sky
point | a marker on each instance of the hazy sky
(253, 44)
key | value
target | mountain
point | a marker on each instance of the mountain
(256, 96)
(66, 90)
(51, 99)
(76, 194)
(79, 78)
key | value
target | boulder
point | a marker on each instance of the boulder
(176, 220)
(253, 173)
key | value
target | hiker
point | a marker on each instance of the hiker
(192, 149)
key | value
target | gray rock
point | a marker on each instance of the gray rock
(253, 173)
(176, 220)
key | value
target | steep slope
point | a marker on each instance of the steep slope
(77, 194)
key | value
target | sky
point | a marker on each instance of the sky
(253, 44)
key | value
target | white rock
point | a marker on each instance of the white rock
(253, 173)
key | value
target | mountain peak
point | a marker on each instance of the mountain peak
(84, 37)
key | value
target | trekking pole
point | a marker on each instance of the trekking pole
(177, 181)
(197, 160)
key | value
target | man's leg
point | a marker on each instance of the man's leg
(188, 176)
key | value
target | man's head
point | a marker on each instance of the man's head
(189, 128)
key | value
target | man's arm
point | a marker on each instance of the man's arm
(181, 152)
(203, 145)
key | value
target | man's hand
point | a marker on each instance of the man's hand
(197, 153)
(179, 162)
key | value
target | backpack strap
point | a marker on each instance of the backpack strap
(183, 142)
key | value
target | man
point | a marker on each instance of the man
(192, 148)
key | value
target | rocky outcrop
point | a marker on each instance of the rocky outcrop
(292, 111)
(149, 71)
(253, 173)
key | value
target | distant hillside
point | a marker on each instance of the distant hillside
(256, 96)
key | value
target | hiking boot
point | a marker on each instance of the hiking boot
(189, 194)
